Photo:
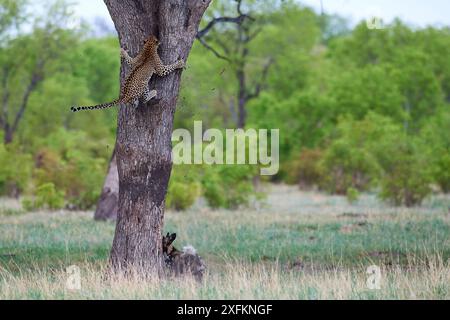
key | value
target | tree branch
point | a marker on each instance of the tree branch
(238, 20)
(238, 7)
(4, 115)
(222, 45)
(261, 83)
(36, 78)
(217, 54)
(5, 97)
(250, 36)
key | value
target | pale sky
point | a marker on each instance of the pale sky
(415, 12)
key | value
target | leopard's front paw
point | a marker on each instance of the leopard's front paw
(180, 64)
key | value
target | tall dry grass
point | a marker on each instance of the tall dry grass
(237, 280)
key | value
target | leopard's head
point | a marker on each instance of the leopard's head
(151, 43)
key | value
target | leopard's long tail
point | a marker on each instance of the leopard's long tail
(99, 106)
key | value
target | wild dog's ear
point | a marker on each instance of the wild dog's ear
(168, 239)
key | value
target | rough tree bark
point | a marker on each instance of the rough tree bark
(143, 147)
(107, 205)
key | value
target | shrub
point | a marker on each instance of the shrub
(28, 204)
(442, 172)
(229, 186)
(305, 169)
(77, 173)
(85, 174)
(184, 187)
(47, 197)
(181, 196)
(408, 176)
(352, 195)
(15, 170)
(359, 154)
(346, 166)
(435, 133)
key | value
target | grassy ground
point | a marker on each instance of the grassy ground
(295, 246)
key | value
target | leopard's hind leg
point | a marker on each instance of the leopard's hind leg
(148, 95)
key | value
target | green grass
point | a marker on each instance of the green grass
(275, 241)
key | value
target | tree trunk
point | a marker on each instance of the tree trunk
(8, 135)
(143, 148)
(242, 99)
(107, 205)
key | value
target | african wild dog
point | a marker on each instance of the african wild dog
(182, 262)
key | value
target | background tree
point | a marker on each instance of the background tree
(27, 59)
(234, 46)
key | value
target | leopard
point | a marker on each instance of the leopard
(143, 66)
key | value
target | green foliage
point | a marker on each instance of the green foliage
(348, 161)
(377, 152)
(371, 88)
(312, 119)
(72, 166)
(347, 166)
(415, 74)
(15, 170)
(47, 197)
(228, 186)
(437, 147)
(182, 195)
(408, 177)
(184, 188)
(442, 172)
(12, 15)
(305, 170)
(352, 195)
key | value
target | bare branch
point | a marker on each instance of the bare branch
(36, 78)
(4, 115)
(238, 7)
(252, 36)
(238, 20)
(217, 54)
(222, 45)
(262, 82)
(5, 97)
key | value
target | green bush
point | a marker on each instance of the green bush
(86, 174)
(15, 170)
(347, 166)
(352, 195)
(304, 170)
(78, 172)
(408, 177)
(359, 153)
(437, 147)
(181, 196)
(47, 197)
(28, 204)
(229, 186)
(442, 172)
(184, 187)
